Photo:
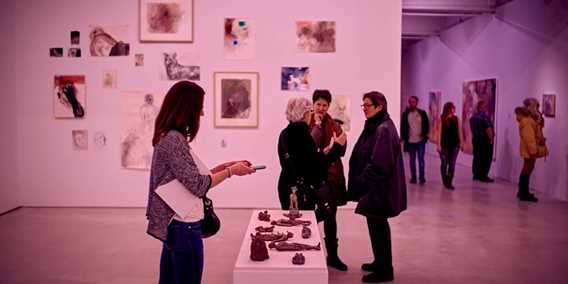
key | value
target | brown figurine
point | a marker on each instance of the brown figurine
(293, 214)
(271, 237)
(264, 229)
(258, 250)
(298, 259)
(264, 216)
(306, 232)
(290, 222)
(286, 246)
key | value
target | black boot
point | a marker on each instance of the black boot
(380, 275)
(332, 257)
(523, 194)
(448, 184)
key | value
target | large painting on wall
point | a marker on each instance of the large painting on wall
(434, 112)
(69, 96)
(316, 36)
(138, 111)
(473, 92)
(239, 42)
(236, 99)
(549, 105)
(166, 20)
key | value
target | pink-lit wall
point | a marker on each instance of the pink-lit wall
(525, 47)
(52, 174)
(9, 189)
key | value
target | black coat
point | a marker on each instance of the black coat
(405, 126)
(307, 162)
(376, 170)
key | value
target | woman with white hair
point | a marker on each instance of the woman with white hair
(532, 144)
(299, 157)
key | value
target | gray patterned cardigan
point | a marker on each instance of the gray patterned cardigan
(171, 160)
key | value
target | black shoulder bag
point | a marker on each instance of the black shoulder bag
(210, 224)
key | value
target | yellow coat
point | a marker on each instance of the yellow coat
(532, 139)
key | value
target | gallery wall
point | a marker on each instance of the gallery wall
(524, 46)
(9, 189)
(51, 173)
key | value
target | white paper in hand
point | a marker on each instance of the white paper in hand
(177, 196)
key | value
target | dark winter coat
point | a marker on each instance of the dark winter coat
(307, 161)
(405, 126)
(376, 170)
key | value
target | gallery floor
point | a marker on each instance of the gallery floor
(477, 234)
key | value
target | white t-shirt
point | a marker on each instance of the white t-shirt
(415, 127)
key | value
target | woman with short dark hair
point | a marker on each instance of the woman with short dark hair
(177, 124)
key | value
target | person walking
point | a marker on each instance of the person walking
(414, 129)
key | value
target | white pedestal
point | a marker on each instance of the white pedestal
(278, 268)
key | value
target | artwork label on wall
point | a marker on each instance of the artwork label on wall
(316, 36)
(109, 79)
(434, 114)
(339, 110)
(138, 111)
(80, 140)
(166, 20)
(295, 78)
(236, 99)
(108, 41)
(179, 68)
(138, 59)
(239, 41)
(74, 52)
(100, 140)
(69, 96)
(549, 105)
(75, 37)
(56, 52)
(473, 92)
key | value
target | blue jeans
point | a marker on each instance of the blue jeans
(182, 254)
(413, 149)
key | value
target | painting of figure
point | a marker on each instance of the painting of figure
(295, 78)
(473, 92)
(166, 20)
(434, 114)
(107, 41)
(69, 96)
(339, 110)
(238, 39)
(138, 111)
(316, 36)
(549, 105)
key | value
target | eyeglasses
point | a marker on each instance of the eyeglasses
(366, 105)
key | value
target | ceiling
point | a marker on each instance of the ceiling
(425, 18)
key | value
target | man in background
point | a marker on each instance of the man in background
(482, 139)
(414, 129)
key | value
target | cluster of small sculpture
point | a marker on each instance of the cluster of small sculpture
(290, 222)
(272, 237)
(306, 232)
(264, 229)
(287, 246)
(298, 259)
(264, 216)
(293, 214)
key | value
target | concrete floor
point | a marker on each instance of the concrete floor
(477, 234)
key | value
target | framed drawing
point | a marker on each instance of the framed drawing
(549, 105)
(166, 21)
(236, 99)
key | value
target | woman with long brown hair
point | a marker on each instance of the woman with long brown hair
(176, 125)
(449, 143)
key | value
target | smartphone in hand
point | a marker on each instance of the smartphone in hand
(259, 167)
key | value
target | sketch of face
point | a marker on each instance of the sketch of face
(321, 106)
(80, 140)
(100, 140)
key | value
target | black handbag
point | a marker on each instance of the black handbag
(210, 224)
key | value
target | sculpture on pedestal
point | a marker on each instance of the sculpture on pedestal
(298, 259)
(306, 232)
(264, 216)
(286, 246)
(258, 250)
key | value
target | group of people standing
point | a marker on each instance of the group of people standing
(310, 150)
(449, 140)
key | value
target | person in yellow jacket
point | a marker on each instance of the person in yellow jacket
(533, 143)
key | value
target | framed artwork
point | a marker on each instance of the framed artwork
(138, 111)
(238, 39)
(69, 96)
(295, 78)
(549, 105)
(316, 36)
(473, 92)
(434, 114)
(236, 99)
(166, 21)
